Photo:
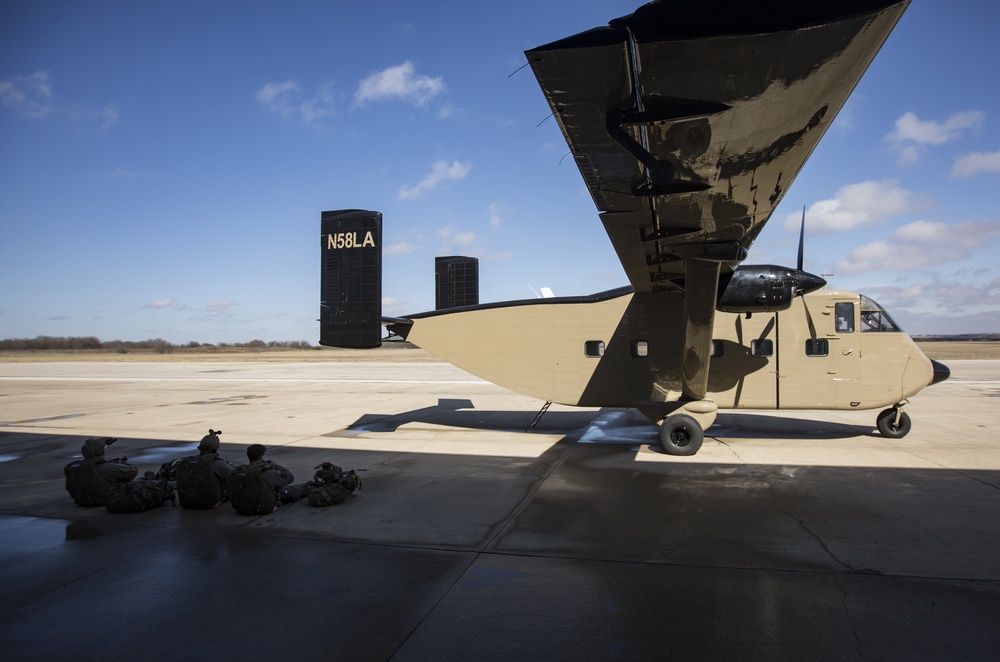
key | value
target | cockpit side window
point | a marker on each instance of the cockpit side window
(844, 314)
(874, 318)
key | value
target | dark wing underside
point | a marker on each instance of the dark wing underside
(689, 119)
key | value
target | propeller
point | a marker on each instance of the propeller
(802, 292)
(802, 236)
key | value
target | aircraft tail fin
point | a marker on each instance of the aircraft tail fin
(351, 279)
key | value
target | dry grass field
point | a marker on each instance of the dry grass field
(393, 353)
(386, 354)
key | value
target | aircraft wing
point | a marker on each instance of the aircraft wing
(689, 119)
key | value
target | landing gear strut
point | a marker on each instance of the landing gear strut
(893, 423)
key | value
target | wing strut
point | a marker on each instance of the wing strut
(701, 283)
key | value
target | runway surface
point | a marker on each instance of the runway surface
(791, 535)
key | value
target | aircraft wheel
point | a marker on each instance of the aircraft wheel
(680, 435)
(886, 425)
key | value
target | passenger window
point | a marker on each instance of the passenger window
(844, 314)
(594, 349)
(718, 349)
(640, 348)
(761, 348)
(817, 347)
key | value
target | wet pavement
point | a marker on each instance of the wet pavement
(791, 535)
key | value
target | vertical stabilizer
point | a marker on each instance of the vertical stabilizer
(351, 279)
(456, 281)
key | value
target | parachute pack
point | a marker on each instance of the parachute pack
(249, 493)
(84, 484)
(138, 496)
(331, 485)
(197, 486)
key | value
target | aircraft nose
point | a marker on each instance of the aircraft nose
(941, 372)
(808, 282)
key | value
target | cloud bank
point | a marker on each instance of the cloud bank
(857, 205)
(399, 82)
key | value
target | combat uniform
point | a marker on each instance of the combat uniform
(89, 480)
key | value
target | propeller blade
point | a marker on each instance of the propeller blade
(802, 234)
(809, 317)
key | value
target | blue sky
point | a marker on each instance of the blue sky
(163, 166)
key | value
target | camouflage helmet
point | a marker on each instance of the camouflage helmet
(210, 442)
(95, 447)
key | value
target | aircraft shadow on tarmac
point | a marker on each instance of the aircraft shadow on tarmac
(616, 425)
(462, 413)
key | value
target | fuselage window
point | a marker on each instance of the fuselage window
(717, 348)
(640, 348)
(594, 349)
(817, 347)
(844, 314)
(763, 347)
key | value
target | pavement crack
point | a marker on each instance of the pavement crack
(850, 618)
(820, 542)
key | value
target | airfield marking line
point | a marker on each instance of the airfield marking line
(243, 379)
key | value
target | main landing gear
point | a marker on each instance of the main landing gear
(893, 423)
(681, 435)
(682, 430)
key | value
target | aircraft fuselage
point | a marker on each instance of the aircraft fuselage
(620, 350)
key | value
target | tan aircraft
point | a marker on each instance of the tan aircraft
(688, 122)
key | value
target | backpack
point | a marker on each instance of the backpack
(138, 496)
(327, 472)
(249, 493)
(326, 494)
(331, 485)
(197, 486)
(84, 484)
(168, 470)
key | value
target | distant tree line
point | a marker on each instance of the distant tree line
(157, 345)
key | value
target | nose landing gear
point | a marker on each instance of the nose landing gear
(893, 423)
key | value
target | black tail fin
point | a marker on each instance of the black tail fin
(351, 289)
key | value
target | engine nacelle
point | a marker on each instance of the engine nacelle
(763, 288)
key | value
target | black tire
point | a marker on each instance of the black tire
(680, 435)
(885, 425)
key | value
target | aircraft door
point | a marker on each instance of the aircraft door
(744, 361)
(847, 347)
(819, 354)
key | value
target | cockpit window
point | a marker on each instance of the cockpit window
(874, 318)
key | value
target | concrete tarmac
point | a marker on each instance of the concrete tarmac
(791, 535)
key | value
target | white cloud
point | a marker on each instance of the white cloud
(857, 205)
(453, 238)
(921, 244)
(398, 82)
(287, 100)
(943, 305)
(910, 128)
(976, 163)
(29, 95)
(440, 172)
(912, 135)
(32, 96)
(401, 248)
(494, 212)
(84, 113)
(219, 308)
(161, 303)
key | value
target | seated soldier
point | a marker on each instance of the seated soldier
(261, 486)
(201, 479)
(89, 480)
